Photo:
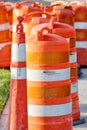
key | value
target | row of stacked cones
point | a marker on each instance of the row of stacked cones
(54, 109)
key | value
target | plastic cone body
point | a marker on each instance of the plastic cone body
(18, 92)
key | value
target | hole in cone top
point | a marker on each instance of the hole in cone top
(19, 27)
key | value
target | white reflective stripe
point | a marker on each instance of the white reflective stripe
(44, 16)
(74, 87)
(80, 25)
(10, 27)
(81, 44)
(4, 26)
(49, 110)
(48, 75)
(18, 52)
(13, 28)
(4, 44)
(68, 39)
(73, 57)
(18, 73)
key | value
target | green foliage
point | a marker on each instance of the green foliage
(4, 87)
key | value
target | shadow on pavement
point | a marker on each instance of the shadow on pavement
(83, 76)
(83, 108)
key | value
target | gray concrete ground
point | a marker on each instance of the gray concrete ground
(4, 118)
(82, 83)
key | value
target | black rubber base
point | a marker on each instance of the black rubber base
(83, 66)
(78, 122)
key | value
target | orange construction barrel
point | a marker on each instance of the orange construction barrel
(9, 7)
(22, 8)
(76, 3)
(63, 13)
(34, 18)
(48, 82)
(67, 32)
(81, 34)
(5, 44)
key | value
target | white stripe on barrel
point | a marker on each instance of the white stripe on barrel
(74, 87)
(4, 44)
(80, 25)
(81, 44)
(18, 73)
(4, 27)
(49, 110)
(73, 57)
(48, 75)
(13, 27)
(19, 52)
(68, 39)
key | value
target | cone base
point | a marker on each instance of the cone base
(79, 121)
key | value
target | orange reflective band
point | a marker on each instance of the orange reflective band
(47, 67)
(49, 123)
(47, 58)
(82, 56)
(10, 35)
(81, 16)
(81, 34)
(10, 18)
(73, 72)
(5, 64)
(49, 119)
(49, 101)
(74, 65)
(75, 79)
(4, 60)
(72, 42)
(3, 18)
(75, 106)
(55, 92)
(5, 56)
(18, 64)
(48, 84)
(73, 50)
(4, 36)
(69, 21)
(48, 46)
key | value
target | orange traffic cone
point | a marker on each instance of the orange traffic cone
(18, 94)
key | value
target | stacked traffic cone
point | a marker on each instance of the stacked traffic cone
(18, 94)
